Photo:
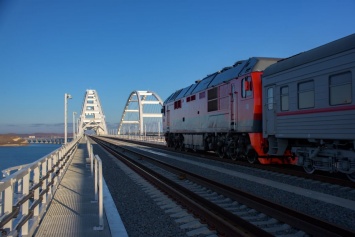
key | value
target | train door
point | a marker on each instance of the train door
(269, 111)
(234, 108)
(168, 118)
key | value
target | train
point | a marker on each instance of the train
(297, 110)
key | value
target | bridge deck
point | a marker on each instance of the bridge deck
(71, 212)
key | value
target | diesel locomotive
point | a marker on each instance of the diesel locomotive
(297, 110)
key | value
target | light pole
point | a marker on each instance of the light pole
(66, 97)
(74, 113)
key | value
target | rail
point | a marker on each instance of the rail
(26, 193)
(301, 221)
(195, 204)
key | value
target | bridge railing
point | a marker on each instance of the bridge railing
(153, 139)
(8, 171)
(48, 140)
(26, 193)
(96, 171)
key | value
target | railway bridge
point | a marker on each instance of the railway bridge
(64, 192)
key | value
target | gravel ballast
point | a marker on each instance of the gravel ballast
(137, 201)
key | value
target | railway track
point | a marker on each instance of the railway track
(324, 177)
(231, 212)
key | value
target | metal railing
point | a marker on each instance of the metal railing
(153, 139)
(96, 171)
(99, 191)
(26, 193)
(8, 171)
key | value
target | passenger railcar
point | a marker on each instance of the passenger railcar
(309, 107)
(300, 110)
(222, 113)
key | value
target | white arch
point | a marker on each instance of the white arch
(140, 97)
(92, 116)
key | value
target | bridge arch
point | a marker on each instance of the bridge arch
(92, 116)
(141, 114)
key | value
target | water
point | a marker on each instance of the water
(19, 155)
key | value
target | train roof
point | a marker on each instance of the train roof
(332, 48)
(226, 74)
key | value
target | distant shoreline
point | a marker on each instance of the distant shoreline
(21, 144)
(11, 140)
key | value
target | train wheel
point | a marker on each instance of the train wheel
(252, 157)
(220, 152)
(233, 156)
(309, 169)
(351, 176)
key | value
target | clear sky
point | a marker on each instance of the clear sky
(52, 47)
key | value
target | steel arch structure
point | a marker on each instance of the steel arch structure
(140, 110)
(92, 116)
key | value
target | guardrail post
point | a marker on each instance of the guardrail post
(19, 186)
(61, 162)
(50, 177)
(44, 182)
(36, 191)
(99, 186)
(25, 205)
(96, 178)
(8, 200)
(88, 148)
(92, 159)
(56, 162)
(91, 156)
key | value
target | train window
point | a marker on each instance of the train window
(306, 95)
(212, 105)
(340, 89)
(270, 98)
(246, 87)
(202, 95)
(212, 96)
(177, 104)
(284, 98)
(224, 97)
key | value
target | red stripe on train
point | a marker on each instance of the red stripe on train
(314, 111)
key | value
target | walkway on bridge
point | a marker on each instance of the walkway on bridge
(72, 212)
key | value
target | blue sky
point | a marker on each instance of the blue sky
(49, 48)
